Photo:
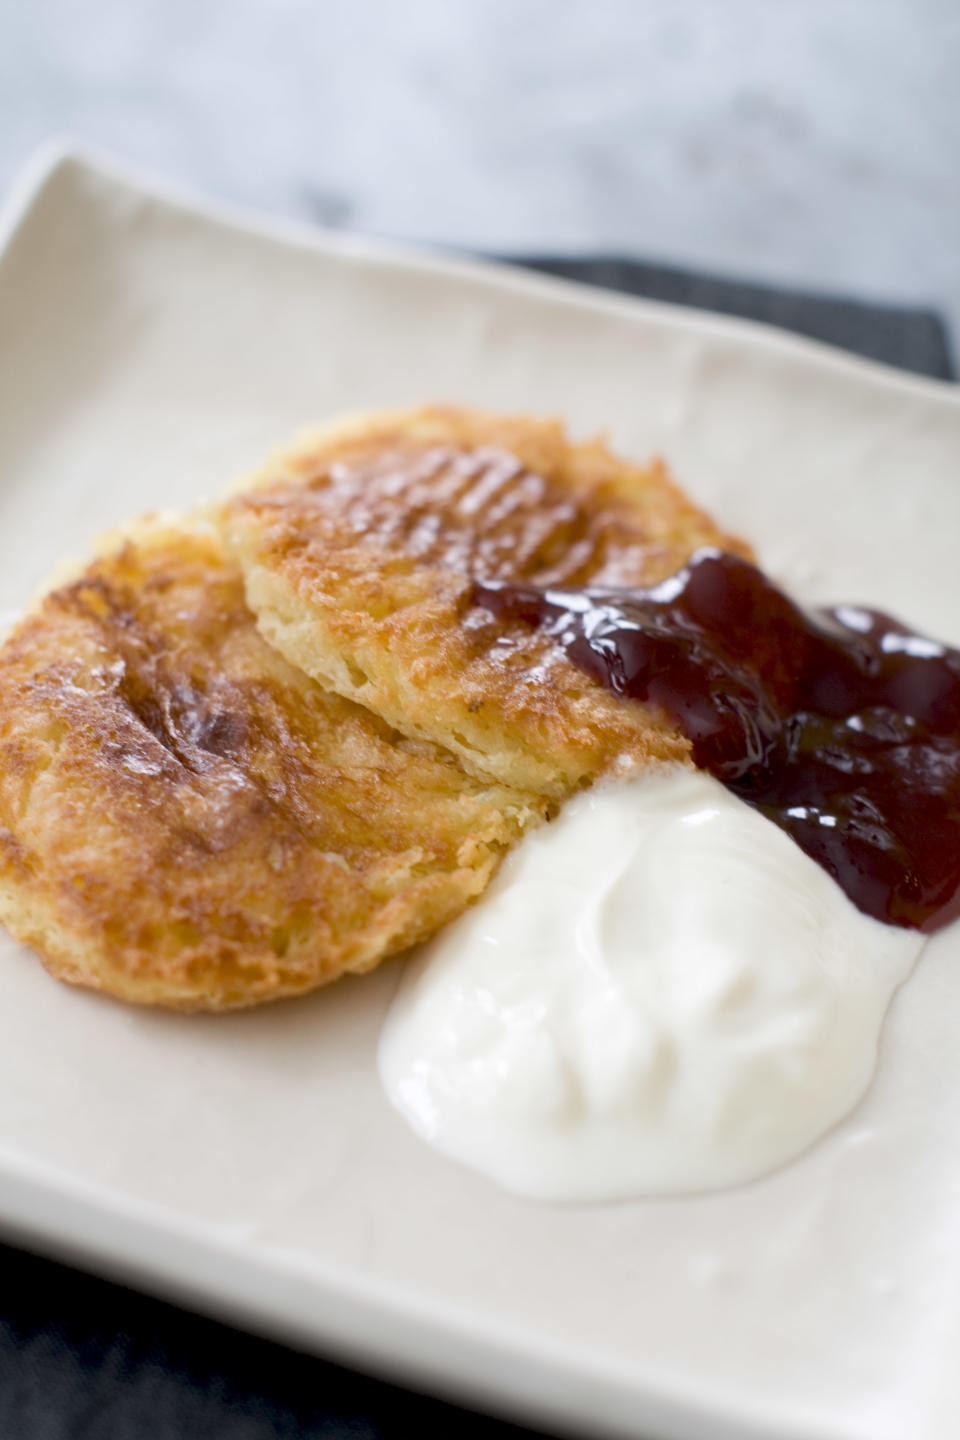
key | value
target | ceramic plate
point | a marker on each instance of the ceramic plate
(150, 348)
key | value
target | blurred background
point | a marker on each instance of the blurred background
(814, 143)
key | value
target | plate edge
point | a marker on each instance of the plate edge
(269, 1290)
(58, 156)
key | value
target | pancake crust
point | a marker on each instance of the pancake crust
(187, 820)
(359, 546)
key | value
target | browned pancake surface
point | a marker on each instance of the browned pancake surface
(186, 819)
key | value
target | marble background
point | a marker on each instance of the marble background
(812, 142)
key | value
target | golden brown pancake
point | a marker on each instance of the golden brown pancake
(187, 820)
(359, 547)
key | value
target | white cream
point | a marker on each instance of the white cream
(660, 993)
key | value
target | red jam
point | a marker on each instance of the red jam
(841, 726)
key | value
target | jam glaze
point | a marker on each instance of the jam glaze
(841, 726)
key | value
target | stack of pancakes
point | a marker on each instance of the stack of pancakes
(247, 751)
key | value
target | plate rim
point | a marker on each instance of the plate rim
(60, 155)
(381, 1328)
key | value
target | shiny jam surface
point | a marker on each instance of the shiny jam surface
(841, 726)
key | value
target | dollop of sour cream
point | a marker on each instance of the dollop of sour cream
(660, 993)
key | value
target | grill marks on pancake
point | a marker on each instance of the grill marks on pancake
(480, 512)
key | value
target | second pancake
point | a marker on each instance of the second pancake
(359, 547)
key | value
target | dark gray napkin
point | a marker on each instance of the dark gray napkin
(82, 1359)
(908, 338)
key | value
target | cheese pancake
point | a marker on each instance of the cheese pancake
(187, 820)
(359, 547)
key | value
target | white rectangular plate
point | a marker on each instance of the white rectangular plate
(150, 349)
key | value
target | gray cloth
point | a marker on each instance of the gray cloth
(82, 1359)
(910, 339)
